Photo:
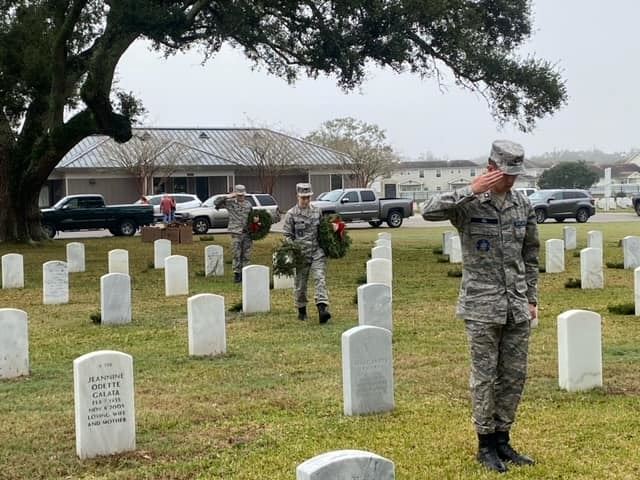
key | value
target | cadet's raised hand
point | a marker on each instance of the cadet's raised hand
(483, 183)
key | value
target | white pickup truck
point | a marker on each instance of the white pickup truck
(363, 205)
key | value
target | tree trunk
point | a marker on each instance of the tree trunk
(19, 212)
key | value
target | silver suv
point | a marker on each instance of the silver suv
(561, 204)
(207, 216)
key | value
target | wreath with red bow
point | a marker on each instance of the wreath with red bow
(333, 237)
(259, 224)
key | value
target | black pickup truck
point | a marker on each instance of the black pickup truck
(88, 212)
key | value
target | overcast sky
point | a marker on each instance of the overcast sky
(596, 44)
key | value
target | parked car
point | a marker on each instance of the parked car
(207, 216)
(563, 204)
(360, 204)
(527, 190)
(89, 212)
(184, 201)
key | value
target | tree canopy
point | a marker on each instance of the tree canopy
(366, 145)
(58, 58)
(569, 175)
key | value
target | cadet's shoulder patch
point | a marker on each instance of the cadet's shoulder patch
(483, 245)
(488, 221)
(519, 223)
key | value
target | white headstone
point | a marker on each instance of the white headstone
(455, 250)
(161, 250)
(601, 203)
(446, 242)
(255, 289)
(379, 270)
(611, 203)
(346, 465)
(636, 289)
(213, 261)
(579, 350)
(367, 370)
(176, 275)
(119, 261)
(591, 274)
(374, 305)
(283, 282)
(12, 271)
(55, 283)
(570, 242)
(104, 403)
(75, 257)
(14, 343)
(206, 325)
(384, 235)
(595, 239)
(381, 252)
(631, 252)
(115, 298)
(382, 242)
(554, 255)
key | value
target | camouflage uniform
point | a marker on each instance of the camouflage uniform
(241, 243)
(301, 225)
(500, 275)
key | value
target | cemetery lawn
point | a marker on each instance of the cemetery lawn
(275, 399)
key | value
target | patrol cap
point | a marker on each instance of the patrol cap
(304, 190)
(508, 156)
(239, 189)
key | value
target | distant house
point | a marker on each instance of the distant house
(421, 179)
(210, 161)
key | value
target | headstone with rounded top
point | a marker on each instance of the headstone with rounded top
(119, 261)
(75, 257)
(161, 250)
(14, 343)
(206, 325)
(346, 465)
(579, 350)
(55, 283)
(12, 271)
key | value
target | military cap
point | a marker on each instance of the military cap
(508, 156)
(304, 190)
(239, 189)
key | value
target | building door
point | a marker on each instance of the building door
(202, 188)
(390, 190)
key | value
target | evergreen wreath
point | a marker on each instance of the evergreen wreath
(334, 241)
(258, 230)
(287, 257)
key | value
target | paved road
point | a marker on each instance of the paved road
(414, 222)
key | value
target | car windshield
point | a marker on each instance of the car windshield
(209, 202)
(332, 196)
(60, 202)
(538, 196)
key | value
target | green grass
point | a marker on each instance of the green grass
(275, 399)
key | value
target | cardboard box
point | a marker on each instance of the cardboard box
(172, 234)
(151, 234)
(186, 233)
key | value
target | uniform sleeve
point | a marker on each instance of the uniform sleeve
(287, 228)
(448, 206)
(220, 202)
(530, 255)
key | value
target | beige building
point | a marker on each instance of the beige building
(203, 161)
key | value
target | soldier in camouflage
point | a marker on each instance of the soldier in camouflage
(498, 294)
(241, 243)
(301, 224)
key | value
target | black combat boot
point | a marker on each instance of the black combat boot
(237, 277)
(508, 454)
(323, 313)
(302, 313)
(487, 454)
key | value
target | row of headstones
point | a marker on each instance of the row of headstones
(13, 265)
(104, 392)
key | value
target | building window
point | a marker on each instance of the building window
(438, 189)
(421, 174)
(411, 187)
(472, 172)
(438, 173)
(336, 181)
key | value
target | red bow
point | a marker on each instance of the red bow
(339, 227)
(255, 226)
